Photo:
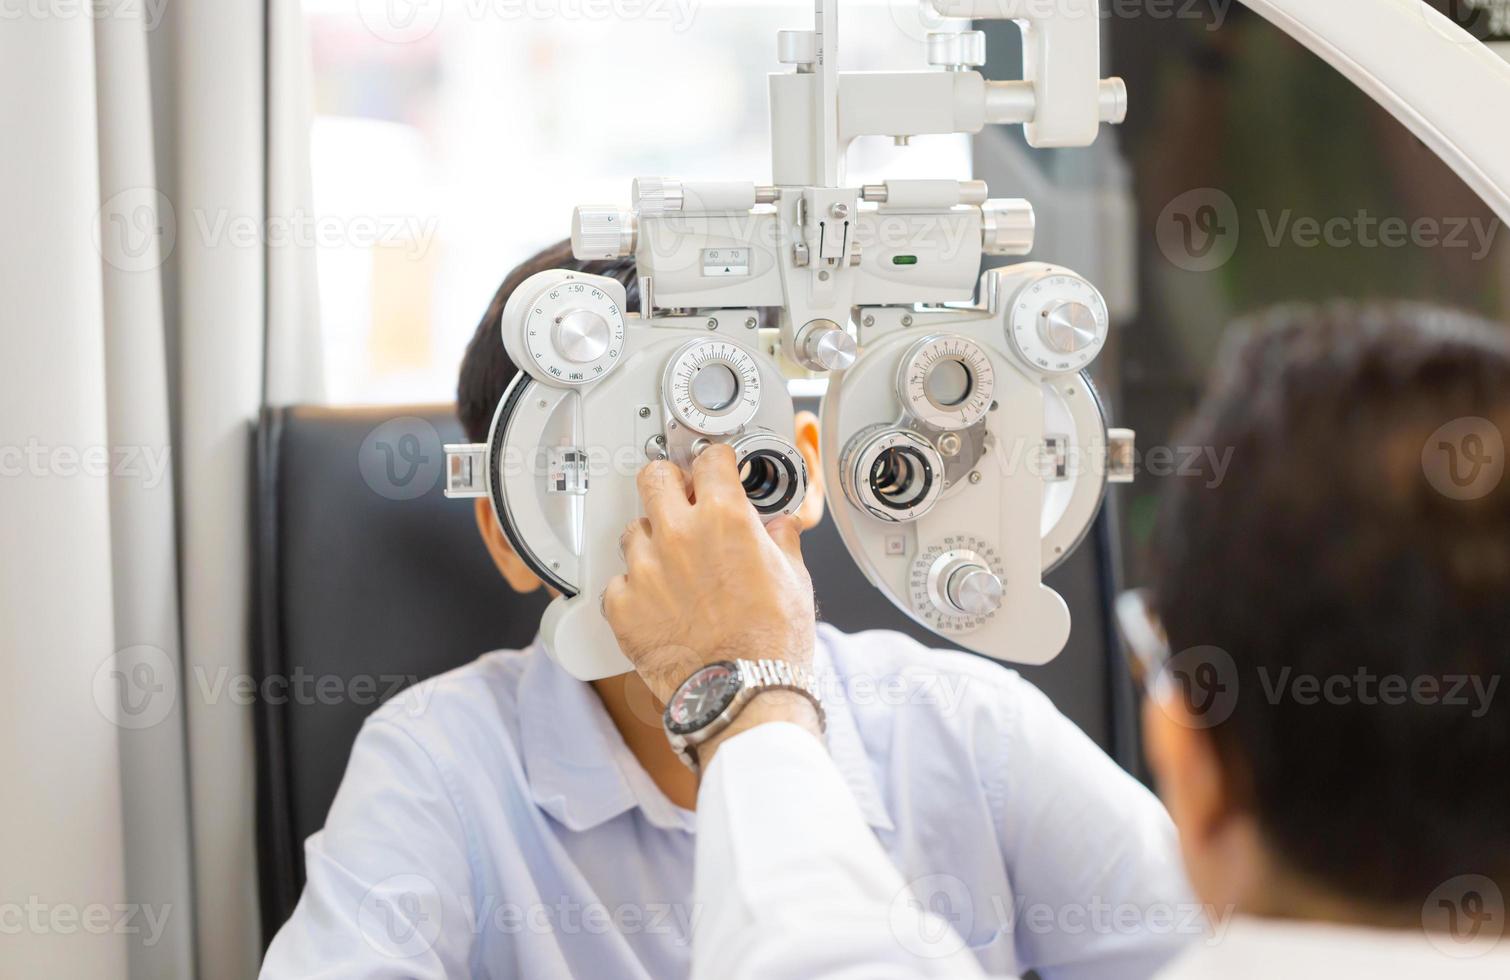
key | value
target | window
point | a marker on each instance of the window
(457, 135)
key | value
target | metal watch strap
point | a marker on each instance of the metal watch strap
(755, 678)
(779, 675)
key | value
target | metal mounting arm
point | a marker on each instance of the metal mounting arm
(1062, 99)
(1447, 87)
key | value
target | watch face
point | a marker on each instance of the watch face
(702, 698)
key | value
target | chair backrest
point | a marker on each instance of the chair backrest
(369, 579)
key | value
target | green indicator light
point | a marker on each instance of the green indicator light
(904, 260)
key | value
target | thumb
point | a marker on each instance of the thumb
(787, 534)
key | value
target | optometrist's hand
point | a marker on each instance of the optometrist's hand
(708, 581)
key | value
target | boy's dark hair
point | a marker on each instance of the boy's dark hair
(485, 368)
(1334, 546)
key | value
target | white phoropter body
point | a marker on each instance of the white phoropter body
(965, 450)
(589, 408)
(971, 466)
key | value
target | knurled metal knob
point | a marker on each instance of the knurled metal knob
(826, 346)
(657, 195)
(599, 232)
(1007, 227)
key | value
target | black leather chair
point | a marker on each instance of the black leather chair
(364, 569)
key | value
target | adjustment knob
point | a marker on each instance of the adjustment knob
(581, 336)
(957, 589)
(973, 588)
(601, 233)
(826, 346)
(797, 48)
(654, 196)
(1057, 322)
(1007, 227)
(1069, 327)
(957, 51)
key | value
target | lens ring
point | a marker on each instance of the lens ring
(724, 413)
(772, 473)
(770, 481)
(892, 473)
(760, 475)
(947, 382)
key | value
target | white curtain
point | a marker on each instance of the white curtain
(138, 286)
(59, 755)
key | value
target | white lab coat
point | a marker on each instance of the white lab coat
(792, 885)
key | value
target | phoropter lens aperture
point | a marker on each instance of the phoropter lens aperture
(900, 477)
(769, 480)
(891, 472)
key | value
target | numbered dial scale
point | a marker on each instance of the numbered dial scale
(712, 386)
(956, 584)
(574, 333)
(1059, 323)
(947, 381)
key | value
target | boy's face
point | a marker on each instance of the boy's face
(521, 579)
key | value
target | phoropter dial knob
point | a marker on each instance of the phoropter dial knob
(957, 584)
(582, 335)
(823, 345)
(1007, 226)
(658, 195)
(1057, 322)
(599, 232)
(972, 588)
(1069, 327)
(573, 332)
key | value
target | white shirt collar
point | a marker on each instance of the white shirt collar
(582, 773)
(1250, 947)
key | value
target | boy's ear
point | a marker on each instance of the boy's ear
(510, 566)
(811, 511)
(1187, 770)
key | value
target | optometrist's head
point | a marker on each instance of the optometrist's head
(486, 372)
(1333, 733)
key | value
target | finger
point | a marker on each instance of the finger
(634, 544)
(715, 474)
(663, 491)
(787, 534)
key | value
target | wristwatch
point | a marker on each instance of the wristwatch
(708, 702)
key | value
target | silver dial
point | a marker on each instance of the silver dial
(823, 345)
(1068, 327)
(947, 381)
(956, 585)
(971, 588)
(574, 332)
(1058, 324)
(582, 336)
(712, 386)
